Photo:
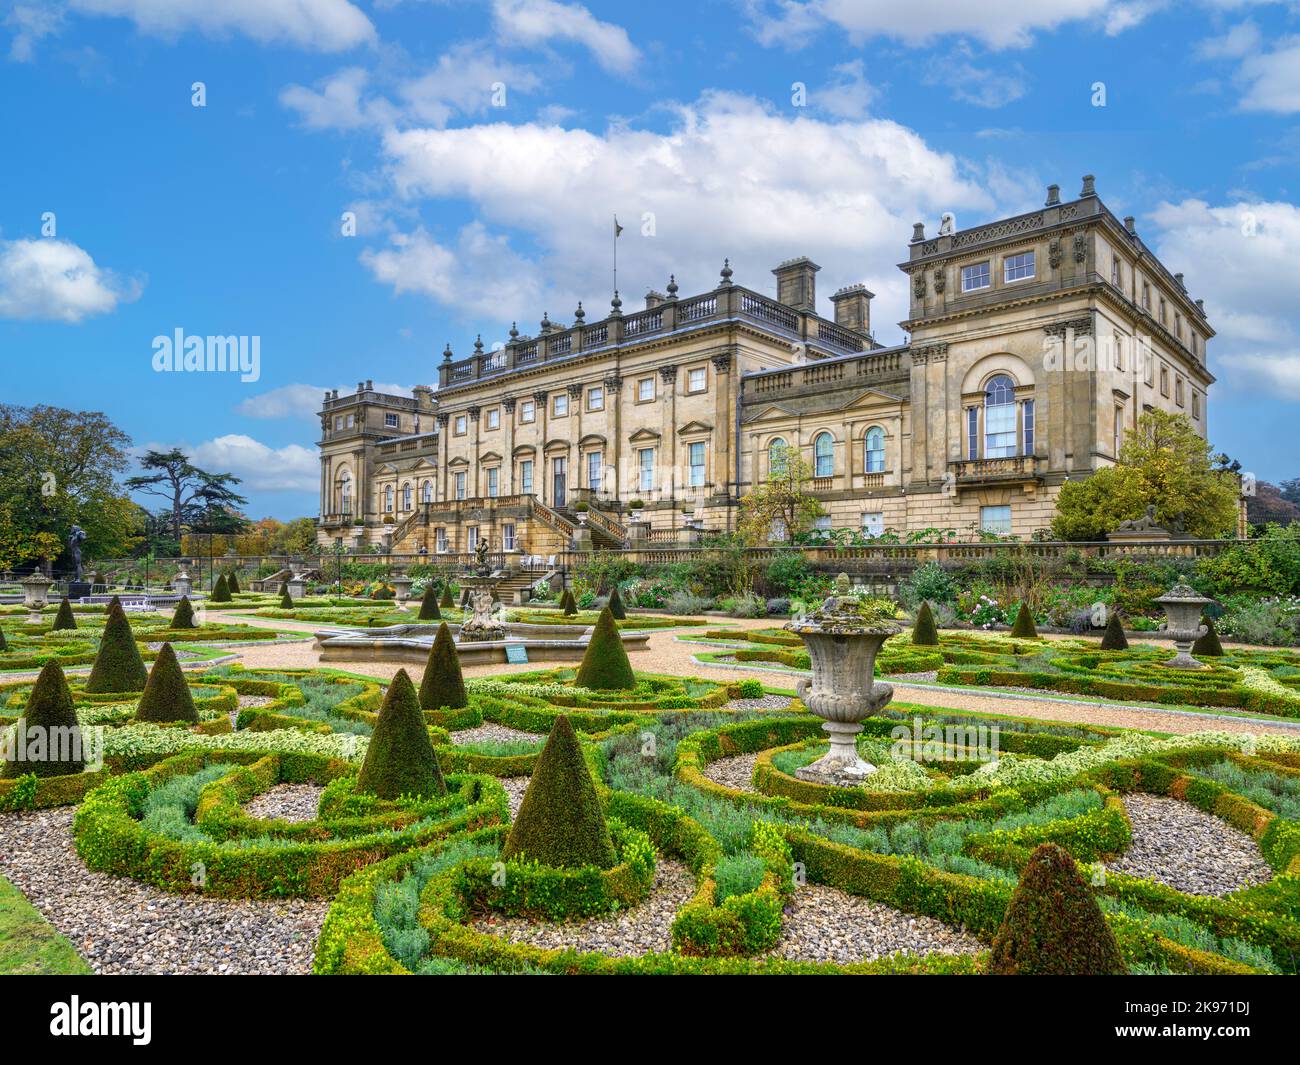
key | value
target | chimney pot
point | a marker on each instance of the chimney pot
(1130, 223)
(1089, 186)
(918, 232)
(1053, 195)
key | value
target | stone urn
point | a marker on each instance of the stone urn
(36, 590)
(842, 640)
(401, 588)
(297, 585)
(1183, 608)
(183, 583)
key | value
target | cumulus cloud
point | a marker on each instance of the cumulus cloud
(533, 22)
(55, 279)
(300, 400)
(261, 468)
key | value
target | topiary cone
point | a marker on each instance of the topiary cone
(560, 822)
(286, 600)
(1053, 925)
(924, 632)
(4, 646)
(233, 584)
(183, 618)
(166, 693)
(49, 710)
(400, 759)
(1024, 626)
(604, 665)
(616, 605)
(568, 604)
(1113, 639)
(63, 619)
(443, 683)
(220, 591)
(446, 600)
(429, 604)
(118, 666)
(1208, 644)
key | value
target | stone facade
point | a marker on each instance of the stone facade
(1035, 342)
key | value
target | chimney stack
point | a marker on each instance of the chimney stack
(1053, 195)
(853, 308)
(796, 284)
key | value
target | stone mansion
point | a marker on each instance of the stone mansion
(1035, 342)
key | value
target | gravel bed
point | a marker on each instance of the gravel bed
(826, 924)
(123, 927)
(1188, 849)
(767, 702)
(490, 733)
(289, 802)
(515, 788)
(734, 772)
(628, 933)
(924, 677)
(254, 700)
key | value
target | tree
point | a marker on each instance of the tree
(190, 491)
(781, 501)
(925, 633)
(50, 719)
(1269, 504)
(1164, 463)
(1113, 639)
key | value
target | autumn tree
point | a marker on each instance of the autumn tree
(782, 502)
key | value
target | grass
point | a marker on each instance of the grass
(29, 945)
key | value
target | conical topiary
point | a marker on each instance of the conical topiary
(63, 619)
(286, 600)
(1113, 639)
(166, 694)
(220, 591)
(446, 599)
(429, 604)
(4, 645)
(616, 605)
(233, 583)
(1208, 644)
(1053, 925)
(400, 760)
(560, 822)
(118, 666)
(924, 632)
(604, 665)
(568, 604)
(443, 683)
(50, 736)
(1024, 626)
(183, 618)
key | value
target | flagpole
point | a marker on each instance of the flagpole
(616, 253)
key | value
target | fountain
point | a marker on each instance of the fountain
(1183, 608)
(843, 637)
(483, 624)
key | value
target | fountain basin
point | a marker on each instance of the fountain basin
(411, 643)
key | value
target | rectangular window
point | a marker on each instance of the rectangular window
(975, 276)
(507, 537)
(440, 541)
(526, 477)
(595, 469)
(1163, 311)
(494, 418)
(351, 421)
(493, 481)
(996, 520)
(1178, 325)
(1178, 391)
(596, 398)
(462, 425)
(527, 411)
(560, 405)
(338, 421)
(777, 532)
(1114, 272)
(390, 421)
(1164, 381)
(1018, 267)
(695, 455)
(460, 485)
(645, 458)
(471, 538)
(1029, 427)
(972, 432)
(1146, 297)
(1117, 344)
(873, 524)
(645, 389)
(1119, 432)
(1196, 405)
(823, 524)
(697, 380)
(999, 430)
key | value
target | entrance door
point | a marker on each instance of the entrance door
(559, 482)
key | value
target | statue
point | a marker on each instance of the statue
(76, 538)
(481, 565)
(1143, 524)
(947, 223)
(483, 623)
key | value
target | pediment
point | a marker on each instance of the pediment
(696, 428)
(644, 436)
(491, 456)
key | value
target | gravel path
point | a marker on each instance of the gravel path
(766, 702)
(289, 802)
(734, 772)
(1188, 849)
(628, 933)
(123, 927)
(254, 700)
(515, 788)
(490, 733)
(827, 924)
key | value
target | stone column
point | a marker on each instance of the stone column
(542, 400)
(668, 441)
(613, 396)
(474, 413)
(722, 457)
(508, 443)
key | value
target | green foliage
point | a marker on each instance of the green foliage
(788, 572)
(616, 605)
(750, 689)
(782, 498)
(446, 600)
(118, 666)
(400, 760)
(560, 821)
(220, 591)
(1268, 564)
(931, 583)
(443, 684)
(1208, 644)
(738, 874)
(233, 583)
(429, 604)
(166, 694)
(63, 618)
(605, 665)
(1113, 639)
(183, 616)
(924, 632)
(286, 600)
(50, 710)
(4, 646)
(1024, 626)
(568, 604)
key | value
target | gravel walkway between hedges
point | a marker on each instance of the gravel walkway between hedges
(515, 788)
(289, 802)
(766, 702)
(1188, 849)
(734, 772)
(123, 927)
(490, 733)
(628, 933)
(831, 925)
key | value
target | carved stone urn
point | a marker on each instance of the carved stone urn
(1183, 613)
(183, 583)
(36, 590)
(401, 588)
(842, 640)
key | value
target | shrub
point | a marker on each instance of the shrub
(1264, 621)
(286, 600)
(605, 666)
(1113, 639)
(166, 693)
(118, 666)
(1024, 626)
(778, 606)
(445, 600)
(63, 619)
(787, 572)
(738, 874)
(4, 646)
(400, 759)
(683, 603)
(183, 616)
(429, 604)
(924, 632)
(443, 683)
(560, 821)
(616, 605)
(49, 707)
(750, 689)
(1053, 925)
(233, 583)
(568, 604)
(747, 606)
(931, 583)
(220, 591)
(1208, 644)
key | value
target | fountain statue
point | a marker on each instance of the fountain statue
(483, 623)
(843, 637)
(1183, 625)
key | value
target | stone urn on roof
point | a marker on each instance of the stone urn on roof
(843, 637)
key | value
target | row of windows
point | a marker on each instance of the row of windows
(873, 444)
(1018, 267)
(996, 520)
(442, 544)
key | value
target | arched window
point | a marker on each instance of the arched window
(824, 456)
(776, 457)
(388, 499)
(406, 496)
(999, 418)
(426, 492)
(345, 493)
(875, 450)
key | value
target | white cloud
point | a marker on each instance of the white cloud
(1239, 41)
(30, 24)
(1272, 79)
(533, 22)
(261, 468)
(983, 87)
(319, 25)
(55, 279)
(300, 401)
(849, 94)
(1240, 257)
(337, 102)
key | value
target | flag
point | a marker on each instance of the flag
(618, 230)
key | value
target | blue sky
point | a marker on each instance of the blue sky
(483, 147)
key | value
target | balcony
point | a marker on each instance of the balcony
(329, 521)
(1012, 470)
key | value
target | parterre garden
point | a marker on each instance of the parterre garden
(597, 820)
